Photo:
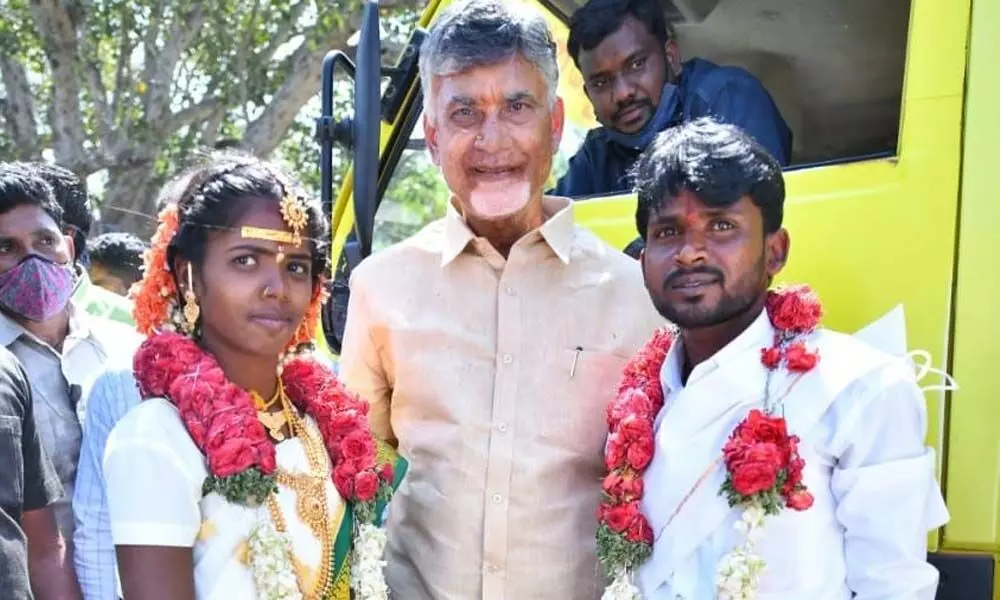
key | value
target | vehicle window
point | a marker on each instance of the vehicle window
(834, 67)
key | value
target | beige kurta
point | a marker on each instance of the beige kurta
(493, 375)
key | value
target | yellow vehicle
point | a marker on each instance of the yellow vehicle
(893, 107)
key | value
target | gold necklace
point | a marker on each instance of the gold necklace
(273, 421)
(311, 506)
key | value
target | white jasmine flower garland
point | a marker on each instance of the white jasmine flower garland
(367, 577)
(739, 571)
(271, 563)
(622, 588)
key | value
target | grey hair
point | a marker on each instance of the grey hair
(478, 33)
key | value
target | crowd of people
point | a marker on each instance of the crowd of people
(520, 411)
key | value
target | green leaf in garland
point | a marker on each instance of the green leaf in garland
(615, 550)
(364, 512)
(249, 488)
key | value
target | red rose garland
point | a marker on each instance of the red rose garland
(222, 421)
(761, 458)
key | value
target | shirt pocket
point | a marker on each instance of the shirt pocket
(584, 382)
(12, 490)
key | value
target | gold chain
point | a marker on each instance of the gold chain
(274, 422)
(262, 404)
(311, 504)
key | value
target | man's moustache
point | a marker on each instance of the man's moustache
(633, 104)
(673, 277)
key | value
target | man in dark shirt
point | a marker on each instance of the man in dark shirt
(638, 87)
(29, 539)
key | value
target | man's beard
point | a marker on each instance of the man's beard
(730, 306)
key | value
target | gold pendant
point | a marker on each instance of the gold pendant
(312, 504)
(274, 423)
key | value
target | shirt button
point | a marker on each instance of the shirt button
(502, 427)
(507, 359)
(497, 498)
(511, 291)
(492, 568)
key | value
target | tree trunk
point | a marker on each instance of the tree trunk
(130, 198)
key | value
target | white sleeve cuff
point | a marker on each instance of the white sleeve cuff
(153, 534)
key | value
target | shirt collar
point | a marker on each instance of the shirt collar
(759, 333)
(11, 330)
(557, 230)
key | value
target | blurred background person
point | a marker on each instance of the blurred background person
(116, 261)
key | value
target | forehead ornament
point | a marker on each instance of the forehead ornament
(293, 212)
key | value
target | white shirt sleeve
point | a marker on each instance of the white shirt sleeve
(887, 495)
(154, 475)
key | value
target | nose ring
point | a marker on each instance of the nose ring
(267, 291)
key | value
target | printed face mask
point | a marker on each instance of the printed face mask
(36, 288)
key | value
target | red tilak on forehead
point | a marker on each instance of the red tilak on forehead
(689, 209)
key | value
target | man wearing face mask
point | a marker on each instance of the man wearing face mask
(633, 76)
(61, 347)
(71, 194)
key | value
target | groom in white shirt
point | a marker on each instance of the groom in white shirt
(848, 506)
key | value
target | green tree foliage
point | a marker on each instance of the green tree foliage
(134, 88)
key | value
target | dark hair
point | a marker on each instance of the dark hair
(717, 162)
(214, 198)
(71, 194)
(22, 185)
(598, 19)
(120, 253)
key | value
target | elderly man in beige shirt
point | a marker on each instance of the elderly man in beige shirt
(490, 343)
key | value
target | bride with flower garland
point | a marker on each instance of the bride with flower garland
(248, 471)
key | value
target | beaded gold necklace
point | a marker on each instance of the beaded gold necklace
(311, 503)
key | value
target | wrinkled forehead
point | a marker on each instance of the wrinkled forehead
(499, 82)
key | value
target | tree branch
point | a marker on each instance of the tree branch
(193, 114)
(58, 33)
(210, 131)
(91, 75)
(18, 108)
(125, 47)
(264, 133)
(160, 63)
(284, 32)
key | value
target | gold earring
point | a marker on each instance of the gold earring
(191, 308)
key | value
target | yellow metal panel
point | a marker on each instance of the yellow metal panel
(974, 441)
